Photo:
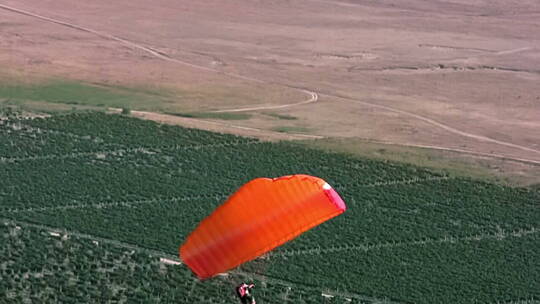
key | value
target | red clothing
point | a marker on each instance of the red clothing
(243, 292)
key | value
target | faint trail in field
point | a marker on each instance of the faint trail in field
(499, 235)
(450, 47)
(117, 243)
(104, 153)
(128, 203)
(163, 56)
(151, 51)
(513, 51)
(436, 123)
(490, 155)
(339, 3)
(314, 98)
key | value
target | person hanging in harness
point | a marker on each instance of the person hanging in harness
(244, 293)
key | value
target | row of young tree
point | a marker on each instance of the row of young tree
(42, 267)
(153, 197)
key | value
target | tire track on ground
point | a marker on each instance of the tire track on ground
(454, 48)
(499, 235)
(462, 151)
(513, 51)
(314, 98)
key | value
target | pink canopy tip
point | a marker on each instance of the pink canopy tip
(334, 197)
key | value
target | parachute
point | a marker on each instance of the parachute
(261, 215)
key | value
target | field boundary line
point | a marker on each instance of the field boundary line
(163, 56)
(127, 150)
(104, 205)
(314, 97)
(513, 51)
(499, 235)
(64, 231)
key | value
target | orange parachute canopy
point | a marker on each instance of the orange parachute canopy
(261, 215)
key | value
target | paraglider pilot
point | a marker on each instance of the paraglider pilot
(244, 293)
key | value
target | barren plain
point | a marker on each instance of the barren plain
(456, 75)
